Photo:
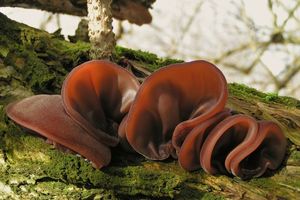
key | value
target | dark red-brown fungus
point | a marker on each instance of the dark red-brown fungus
(243, 147)
(171, 102)
(178, 111)
(45, 115)
(96, 96)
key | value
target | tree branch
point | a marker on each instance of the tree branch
(34, 62)
(135, 11)
(101, 35)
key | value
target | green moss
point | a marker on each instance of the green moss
(35, 170)
(47, 188)
(41, 59)
(3, 120)
(193, 188)
(31, 159)
(294, 158)
(280, 185)
(247, 93)
(151, 61)
(211, 196)
(37, 167)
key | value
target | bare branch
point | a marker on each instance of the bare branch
(291, 14)
(135, 11)
(271, 8)
(290, 73)
(185, 29)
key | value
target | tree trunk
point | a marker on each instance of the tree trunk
(135, 11)
(33, 61)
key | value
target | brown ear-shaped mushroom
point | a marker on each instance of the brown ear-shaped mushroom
(179, 95)
(266, 152)
(188, 157)
(98, 95)
(235, 132)
(45, 115)
(241, 146)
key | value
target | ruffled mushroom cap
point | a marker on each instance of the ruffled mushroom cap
(45, 115)
(226, 136)
(190, 148)
(241, 146)
(178, 111)
(179, 95)
(98, 95)
(266, 152)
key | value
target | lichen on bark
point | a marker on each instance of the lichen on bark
(100, 28)
(31, 169)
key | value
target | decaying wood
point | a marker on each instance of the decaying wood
(33, 61)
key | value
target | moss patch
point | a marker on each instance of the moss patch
(248, 93)
(37, 62)
(36, 168)
(40, 60)
(31, 161)
(33, 61)
(263, 106)
(151, 61)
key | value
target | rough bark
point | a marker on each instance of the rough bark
(101, 36)
(135, 11)
(33, 61)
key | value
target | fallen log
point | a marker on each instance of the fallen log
(35, 62)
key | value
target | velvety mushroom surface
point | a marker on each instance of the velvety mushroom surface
(170, 103)
(242, 146)
(45, 114)
(178, 111)
(188, 157)
(96, 96)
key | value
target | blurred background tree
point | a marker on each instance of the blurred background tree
(253, 42)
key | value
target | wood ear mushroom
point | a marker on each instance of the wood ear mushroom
(178, 111)
(96, 96)
(170, 103)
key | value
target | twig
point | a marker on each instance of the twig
(101, 35)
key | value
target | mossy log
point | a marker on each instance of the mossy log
(34, 61)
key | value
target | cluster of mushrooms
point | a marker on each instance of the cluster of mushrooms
(178, 111)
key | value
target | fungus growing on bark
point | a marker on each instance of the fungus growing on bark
(178, 111)
(171, 102)
(96, 96)
(188, 157)
(243, 147)
(44, 114)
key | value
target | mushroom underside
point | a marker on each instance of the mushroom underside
(45, 115)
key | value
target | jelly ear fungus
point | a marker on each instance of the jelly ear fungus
(179, 111)
(45, 115)
(170, 103)
(96, 96)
